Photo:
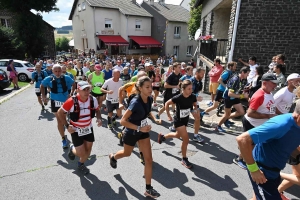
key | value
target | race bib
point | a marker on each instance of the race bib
(156, 84)
(84, 131)
(184, 113)
(175, 90)
(98, 84)
(272, 109)
(144, 122)
(288, 107)
(37, 90)
(114, 100)
(58, 103)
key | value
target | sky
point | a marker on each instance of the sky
(60, 18)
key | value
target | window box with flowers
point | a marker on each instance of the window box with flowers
(206, 38)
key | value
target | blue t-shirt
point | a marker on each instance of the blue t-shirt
(49, 72)
(60, 96)
(135, 72)
(275, 140)
(224, 76)
(185, 77)
(107, 74)
(72, 77)
(197, 85)
(39, 78)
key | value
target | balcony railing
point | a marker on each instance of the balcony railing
(214, 49)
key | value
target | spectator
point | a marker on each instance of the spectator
(214, 75)
(256, 82)
(252, 64)
(279, 71)
(13, 74)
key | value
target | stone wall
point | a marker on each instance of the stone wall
(231, 25)
(267, 28)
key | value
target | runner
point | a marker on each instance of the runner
(96, 80)
(59, 85)
(188, 75)
(275, 140)
(156, 84)
(110, 87)
(49, 68)
(107, 72)
(125, 76)
(232, 95)
(92, 69)
(184, 105)
(119, 67)
(82, 108)
(137, 130)
(38, 76)
(64, 72)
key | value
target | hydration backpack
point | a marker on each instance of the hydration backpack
(36, 76)
(75, 115)
(63, 84)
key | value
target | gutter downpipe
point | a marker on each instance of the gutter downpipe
(95, 29)
(236, 20)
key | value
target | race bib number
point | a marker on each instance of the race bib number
(184, 113)
(272, 109)
(114, 100)
(174, 90)
(156, 84)
(84, 131)
(98, 84)
(58, 104)
(37, 90)
(144, 122)
(288, 107)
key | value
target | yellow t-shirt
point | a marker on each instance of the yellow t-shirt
(72, 71)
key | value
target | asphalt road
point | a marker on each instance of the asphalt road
(34, 166)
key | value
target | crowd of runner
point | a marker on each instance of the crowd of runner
(82, 89)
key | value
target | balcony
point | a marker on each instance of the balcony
(214, 49)
(177, 36)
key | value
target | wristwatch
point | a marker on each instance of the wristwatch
(138, 129)
(66, 126)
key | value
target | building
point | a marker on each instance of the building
(121, 26)
(6, 19)
(186, 4)
(169, 25)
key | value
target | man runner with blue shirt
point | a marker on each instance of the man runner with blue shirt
(59, 85)
(275, 140)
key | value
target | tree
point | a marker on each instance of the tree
(57, 44)
(11, 46)
(62, 44)
(194, 22)
(27, 5)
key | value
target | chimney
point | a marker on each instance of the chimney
(134, 1)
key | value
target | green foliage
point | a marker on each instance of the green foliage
(27, 5)
(194, 22)
(11, 46)
(62, 44)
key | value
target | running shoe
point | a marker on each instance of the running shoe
(120, 136)
(83, 169)
(65, 143)
(210, 104)
(226, 123)
(109, 126)
(157, 116)
(114, 122)
(198, 139)
(185, 162)
(113, 163)
(283, 197)
(172, 129)
(230, 122)
(142, 160)
(151, 193)
(71, 154)
(160, 138)
(202, 114)
(220, 129)
(240, 162)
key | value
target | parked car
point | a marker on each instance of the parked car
(24, 68)
(4, 80)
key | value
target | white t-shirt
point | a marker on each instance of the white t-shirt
(252, 73)
(114, 86)
(284, 100)
(120, 68)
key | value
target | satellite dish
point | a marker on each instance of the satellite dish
(197, 34)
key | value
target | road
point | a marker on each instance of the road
(34, 166)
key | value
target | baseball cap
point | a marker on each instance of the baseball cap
(269, 77)
(83, 84)
(293, 76)
(98, 67)
(147, 64)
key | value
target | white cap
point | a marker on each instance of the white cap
(293, 76)
(147, 64)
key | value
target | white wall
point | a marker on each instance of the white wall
(145, 27)
(208, 6)
(186, 4)
(104, 13)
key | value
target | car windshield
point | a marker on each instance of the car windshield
(29, 65)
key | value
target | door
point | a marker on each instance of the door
(114, 50)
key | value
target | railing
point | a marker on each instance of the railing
(214, 49)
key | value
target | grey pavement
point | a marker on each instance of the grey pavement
(34, 166)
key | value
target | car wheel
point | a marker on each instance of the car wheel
(22, 77)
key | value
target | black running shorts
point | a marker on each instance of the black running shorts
(111, 106)
(78, 141)
(130, 138)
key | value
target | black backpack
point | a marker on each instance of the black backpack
(36, 76)
(63, 84)
(75, 115)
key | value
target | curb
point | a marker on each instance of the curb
(15, 93)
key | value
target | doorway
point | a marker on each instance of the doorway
(114, 50)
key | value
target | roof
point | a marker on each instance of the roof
(171, 12)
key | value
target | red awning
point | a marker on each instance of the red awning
(145, 41)
(113, 40)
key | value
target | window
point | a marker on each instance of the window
(138, 24)
(102, 45)
(108, 23)
(189, 50)
(17, 64)
(6, 23)
(83, 6)
(79, 7)
(3, 63)
(176, 50)
(177, 32)
(31, 65)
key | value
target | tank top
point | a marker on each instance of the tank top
(157, 81)
(97, 82)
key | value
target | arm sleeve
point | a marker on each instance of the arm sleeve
(68, 105)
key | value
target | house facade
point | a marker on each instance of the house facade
(6, 19)
(169, 26)
(122, 27)
(186, 4)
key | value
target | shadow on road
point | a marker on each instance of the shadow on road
(212, 180)
(46, 115)
(6, 92)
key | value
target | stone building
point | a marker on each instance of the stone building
(244, 28)
(6, 19)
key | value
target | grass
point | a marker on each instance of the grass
(21, 84)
